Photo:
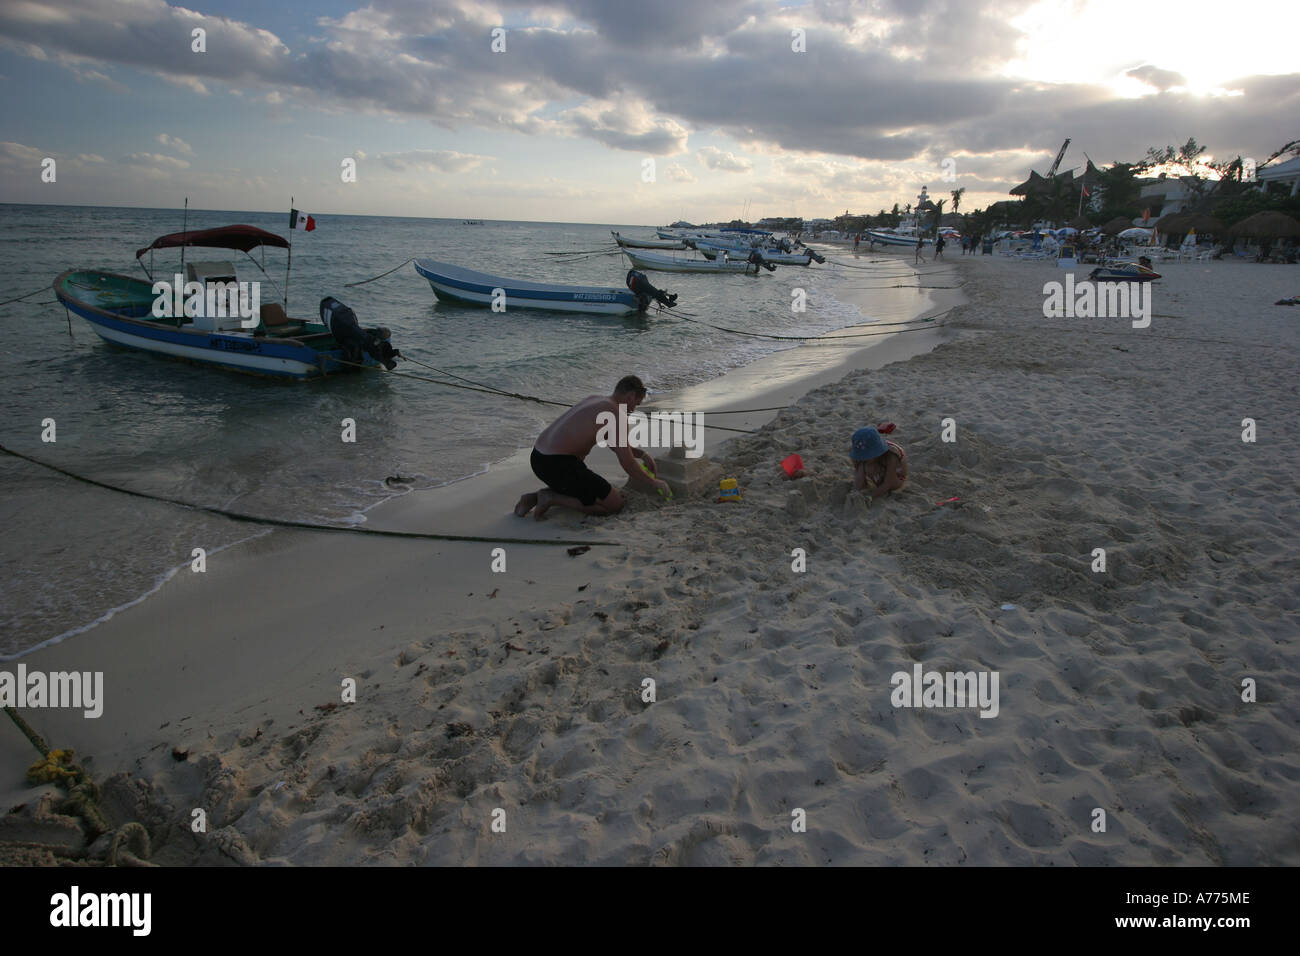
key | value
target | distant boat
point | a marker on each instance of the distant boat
(648, 243)
(471, 222)
(458, 284)
(120, 309)
(777, 257)
(885, 237)
(663, 263)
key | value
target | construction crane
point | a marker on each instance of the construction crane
(1052, 172)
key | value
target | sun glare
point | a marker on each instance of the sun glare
(1099, 41)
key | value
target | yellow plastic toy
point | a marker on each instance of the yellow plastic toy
(666, 494)
(729, 490)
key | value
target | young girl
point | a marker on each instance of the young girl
(883, 463)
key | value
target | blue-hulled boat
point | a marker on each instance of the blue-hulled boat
(124, 310)
(458, 284)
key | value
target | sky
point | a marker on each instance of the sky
(611, 111)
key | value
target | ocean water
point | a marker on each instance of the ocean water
(72, 552)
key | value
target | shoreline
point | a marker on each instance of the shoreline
(798, 370)
(473, 506)
(1120, 690)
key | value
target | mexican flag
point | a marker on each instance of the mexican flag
(300, 220)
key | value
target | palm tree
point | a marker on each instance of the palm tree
(956, 198)
(938, 213)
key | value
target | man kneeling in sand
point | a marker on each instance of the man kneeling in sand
(558, 455)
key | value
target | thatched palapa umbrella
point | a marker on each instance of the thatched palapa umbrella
(1269, 224)
(1183, 222)
(1116, 226)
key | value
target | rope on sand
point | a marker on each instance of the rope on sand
(302, 525)
(58, 767)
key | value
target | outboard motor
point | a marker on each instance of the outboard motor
(352, 338)
(640, 287)
(756, 259)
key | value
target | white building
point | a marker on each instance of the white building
(1170, 194)
(1288, 174)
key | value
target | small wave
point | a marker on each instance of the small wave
(157, 586)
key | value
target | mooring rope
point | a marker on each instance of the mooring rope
(828, 337)
(902, 286)
(302, 525)
(349, 285)
(914, 274)
(44, 288)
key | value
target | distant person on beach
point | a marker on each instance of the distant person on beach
(559, 453)
(938, 248)
(919, 243)
(881, 463)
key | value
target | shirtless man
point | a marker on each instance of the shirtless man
(559, 452)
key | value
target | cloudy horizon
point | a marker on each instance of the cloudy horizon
(583, 111)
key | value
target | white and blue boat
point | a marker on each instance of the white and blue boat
(643, 259)
(458, 284)
(121, 309)
(625, 242)
(884, 237)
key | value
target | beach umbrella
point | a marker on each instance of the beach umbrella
(1267, 225)
(1174, 222)
(1135, 232)
(1203, 223)
(1188, 222)
(1067, 231)
(1116, 226)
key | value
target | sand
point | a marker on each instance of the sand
(518, 697)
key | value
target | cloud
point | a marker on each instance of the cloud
(889, 81)
(155, 161)
(16, 155)
(1160, 79)
(101, 79)
(175, 143)
(677, 173)
(625, 125)
(430, 160)
(715, 158)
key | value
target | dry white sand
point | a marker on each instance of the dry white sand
(1119, 690)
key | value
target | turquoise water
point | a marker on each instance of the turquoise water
(72, 552)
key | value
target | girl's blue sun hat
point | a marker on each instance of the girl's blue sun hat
(867, 444)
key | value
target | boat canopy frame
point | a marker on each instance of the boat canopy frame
(241, 238)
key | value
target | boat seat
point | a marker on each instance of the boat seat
(275, 322)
